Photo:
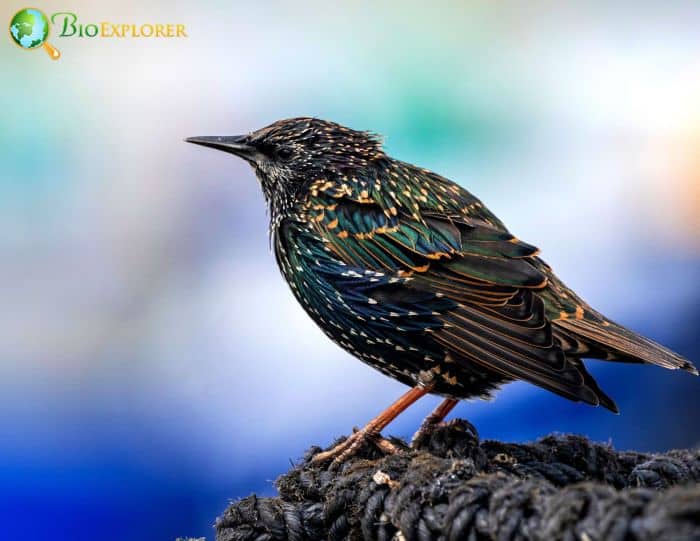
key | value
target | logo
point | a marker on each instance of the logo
(29, 28)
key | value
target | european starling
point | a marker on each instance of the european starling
(413, 275)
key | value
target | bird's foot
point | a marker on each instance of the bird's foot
(371, 432)
(352, 445)
(433, 421)
(427, 429)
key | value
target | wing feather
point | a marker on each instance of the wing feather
(495, 319)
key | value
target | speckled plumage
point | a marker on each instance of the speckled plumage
(413, 275)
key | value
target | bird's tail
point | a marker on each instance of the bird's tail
(617, 343)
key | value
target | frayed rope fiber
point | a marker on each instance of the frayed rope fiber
(454, 486)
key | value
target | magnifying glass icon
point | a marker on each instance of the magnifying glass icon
(29, 29)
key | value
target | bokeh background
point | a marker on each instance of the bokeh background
(153, 364)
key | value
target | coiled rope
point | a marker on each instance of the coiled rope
(456, 487)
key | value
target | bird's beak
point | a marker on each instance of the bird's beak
(234, 144)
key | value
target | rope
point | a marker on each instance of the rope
(455, 487)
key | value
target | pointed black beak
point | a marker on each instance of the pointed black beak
(235, 144)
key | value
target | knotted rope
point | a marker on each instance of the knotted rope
(454, 486)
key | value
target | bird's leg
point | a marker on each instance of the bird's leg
(433, 420)
(350, 446)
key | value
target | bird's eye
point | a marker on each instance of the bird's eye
(284, 154)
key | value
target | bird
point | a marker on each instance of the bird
(413, 275)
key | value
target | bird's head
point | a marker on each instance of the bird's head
(289, 153)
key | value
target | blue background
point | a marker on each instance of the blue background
(153, 364)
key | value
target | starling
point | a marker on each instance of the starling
(412, 274)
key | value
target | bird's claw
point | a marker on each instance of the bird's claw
(427, 428)
(349, 447)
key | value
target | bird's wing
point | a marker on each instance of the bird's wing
(494, 318)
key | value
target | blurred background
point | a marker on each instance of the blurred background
(154, 365)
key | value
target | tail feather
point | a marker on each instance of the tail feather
(624, 344)
(603, 399)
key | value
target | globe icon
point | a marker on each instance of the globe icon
(29, 28)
